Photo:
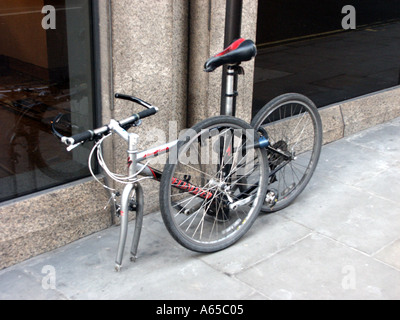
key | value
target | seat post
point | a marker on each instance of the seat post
(229, 106)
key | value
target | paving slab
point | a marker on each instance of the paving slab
(348, 214)
(390, 254)
(321, 268)
(269, 235)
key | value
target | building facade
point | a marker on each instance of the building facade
(71, 56)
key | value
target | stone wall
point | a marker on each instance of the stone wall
(49, 220)
(352, 116)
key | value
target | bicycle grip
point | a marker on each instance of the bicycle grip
(123, 96)
(82, 137)
(132, 99)
(137, 116)
(147, 113)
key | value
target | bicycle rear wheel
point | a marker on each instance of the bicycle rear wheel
(294, 129)
(213, 185)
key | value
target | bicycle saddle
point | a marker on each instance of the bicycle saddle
(239, 51)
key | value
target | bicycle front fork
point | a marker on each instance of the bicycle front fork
(125, 208)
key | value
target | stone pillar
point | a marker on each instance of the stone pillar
(149, 44)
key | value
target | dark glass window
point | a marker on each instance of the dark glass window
(304, 48)
(45, 69)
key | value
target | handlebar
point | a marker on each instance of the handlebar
(133, 99)
(90, 135)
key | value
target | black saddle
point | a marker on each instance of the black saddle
(239, 51)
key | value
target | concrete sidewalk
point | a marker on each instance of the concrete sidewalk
(339, 240)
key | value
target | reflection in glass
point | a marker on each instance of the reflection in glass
(42, 73)
(303, 48)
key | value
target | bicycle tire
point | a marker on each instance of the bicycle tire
(208, 223)
(294, 126)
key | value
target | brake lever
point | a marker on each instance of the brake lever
(53, 127)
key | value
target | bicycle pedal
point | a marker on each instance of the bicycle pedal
(271, 198)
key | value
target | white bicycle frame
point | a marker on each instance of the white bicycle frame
(135, 168)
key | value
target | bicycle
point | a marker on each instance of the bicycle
(218, 174)
(214, 181)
